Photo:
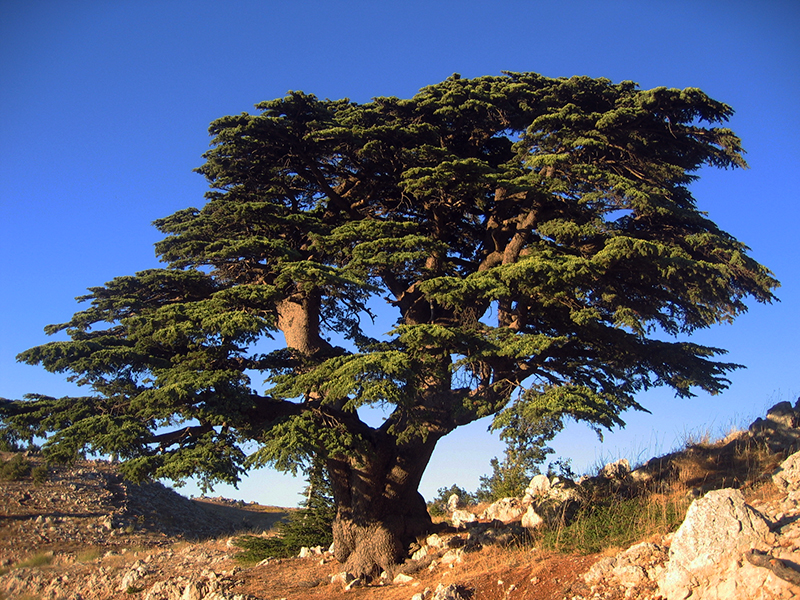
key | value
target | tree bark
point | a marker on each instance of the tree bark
(379, 510)
(298, 319)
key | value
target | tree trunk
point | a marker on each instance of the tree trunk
(379, 510)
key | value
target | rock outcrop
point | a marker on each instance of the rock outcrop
(629, 569)
(780, 430)
(724, 549)
(706, 554)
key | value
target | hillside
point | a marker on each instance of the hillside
(86, 534)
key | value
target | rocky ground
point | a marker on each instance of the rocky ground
(86, 534)
(91, 505)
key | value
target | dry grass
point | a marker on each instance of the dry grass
(738, 462)
(41, 559)
(537, 567)
(89, 555)
(617, 518)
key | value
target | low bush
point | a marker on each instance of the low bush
(256, 549)
(438, 506)
(40, 474)
(15, 469)
(310, 526)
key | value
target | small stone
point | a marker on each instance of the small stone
(420, 554)
(434, 541)
(402, 578)
(344, 578)
(352, 584)
(452, 557)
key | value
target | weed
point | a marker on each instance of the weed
(701, 437)
(37, 560)
(616, 522)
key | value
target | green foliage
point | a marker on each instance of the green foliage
(40, 474)
(255, 549)
(509, 478)
(561, 467)
(310, 526)
(535, 239)
(614, 522)
(438, 506)
(17, 467)
(9, 441)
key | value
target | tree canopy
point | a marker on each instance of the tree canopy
(536, 240)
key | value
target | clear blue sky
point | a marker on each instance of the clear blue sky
(104, 110)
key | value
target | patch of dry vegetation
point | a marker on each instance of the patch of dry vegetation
(654, 501)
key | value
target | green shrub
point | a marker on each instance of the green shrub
(8, 443)
(509, 479)
(15, 469)
(310, 526)
(438, 506)
(257, 548)
(40, 474)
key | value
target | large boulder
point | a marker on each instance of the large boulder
(462, 517)
(532, 519)
(706, 558)
(505, 510)
(638, 565)
(787, 477)
(550, 502)
(616, 471)
(780, 429)
(539, 487)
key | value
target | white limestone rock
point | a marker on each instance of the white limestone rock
(706, 553)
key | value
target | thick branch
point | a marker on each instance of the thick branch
(179, 436)
(298, 319)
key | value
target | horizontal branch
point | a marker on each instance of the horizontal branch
(181, 435)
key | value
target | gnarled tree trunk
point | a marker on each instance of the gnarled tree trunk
(379, 510)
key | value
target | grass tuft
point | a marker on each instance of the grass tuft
(37, 560)
(89, 555)
(616, 523)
